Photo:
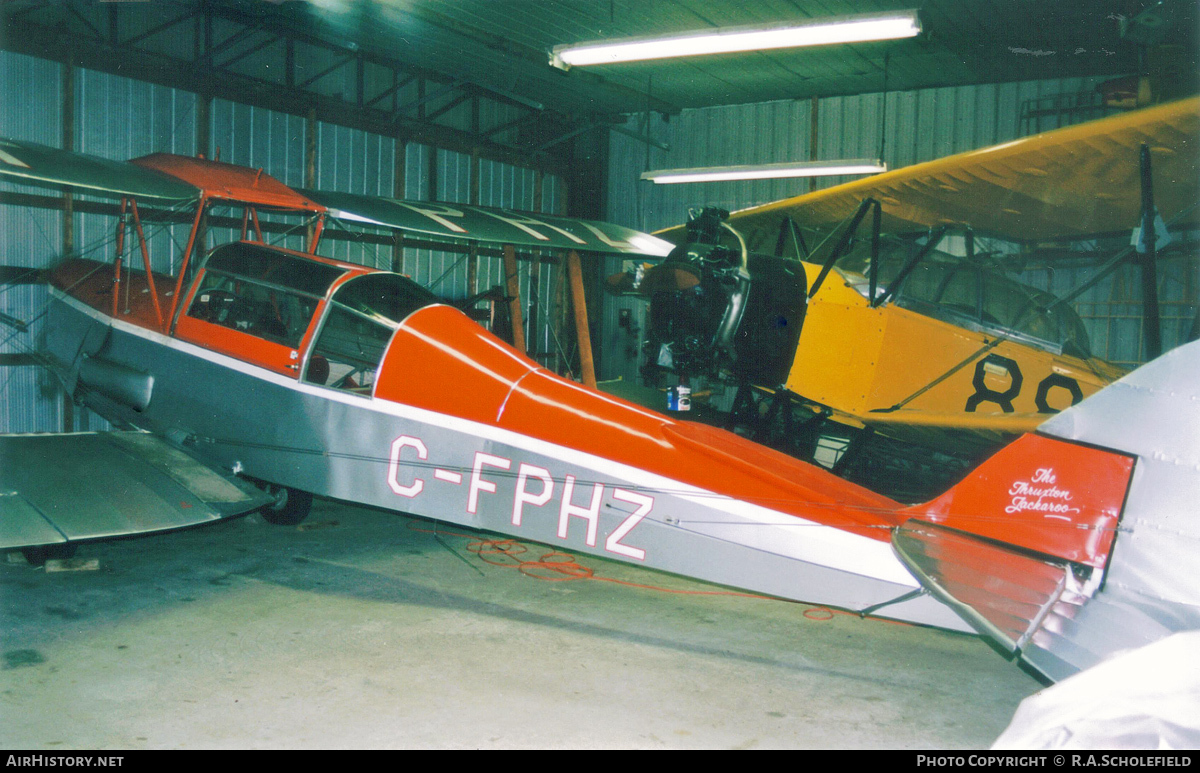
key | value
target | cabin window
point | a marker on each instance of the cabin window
(363, 314)
(955, 289)
(385, 298)
(262, 292)
(265, 265)
(260, 310)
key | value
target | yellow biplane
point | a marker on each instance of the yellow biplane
(907, 351)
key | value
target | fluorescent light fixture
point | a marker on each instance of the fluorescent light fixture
(839, 29)
(706, 174)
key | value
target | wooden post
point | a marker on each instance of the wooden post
(68, 143)
(1148, 258)
(558, 317)
(583, 331)
(204, 125)
(512, 283)
(310, 148)
(814, 127)
(198, 239)
(431, 172)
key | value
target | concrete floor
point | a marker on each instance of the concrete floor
(367, 632)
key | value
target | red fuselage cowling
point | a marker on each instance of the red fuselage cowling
(441, 361)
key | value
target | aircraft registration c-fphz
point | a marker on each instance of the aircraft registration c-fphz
(313, 376)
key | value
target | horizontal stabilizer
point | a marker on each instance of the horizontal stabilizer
(63, 488)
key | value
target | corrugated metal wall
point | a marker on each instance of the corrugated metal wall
(139, 119)
(916, 126)
(119, 118)
(27, 397)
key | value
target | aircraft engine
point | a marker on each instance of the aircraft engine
(722, 312)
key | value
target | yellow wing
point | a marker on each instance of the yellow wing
(1077, 181)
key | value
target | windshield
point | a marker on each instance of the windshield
(364, 313)
(383, 298)
(968, 294)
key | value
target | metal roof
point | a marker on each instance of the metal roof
(474, 76)
(503, 44)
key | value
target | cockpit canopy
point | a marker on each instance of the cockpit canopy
(969, 294)
(274, 295)
(267, 293)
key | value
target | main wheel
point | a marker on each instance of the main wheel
(291, 506)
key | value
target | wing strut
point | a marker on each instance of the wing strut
(582, 330)
(187, 254)
(788, 226)
(934, 240)
(512, 283)
(842, 243)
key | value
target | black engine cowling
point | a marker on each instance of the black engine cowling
(720, 312)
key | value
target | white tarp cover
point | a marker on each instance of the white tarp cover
(1147, 698)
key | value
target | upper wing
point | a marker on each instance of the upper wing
(1072, 182)
(171, 178)
(500, 226)
(34, 164)
(62, 488)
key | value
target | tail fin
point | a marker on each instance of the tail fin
(1010, 547)
(1040, 494)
